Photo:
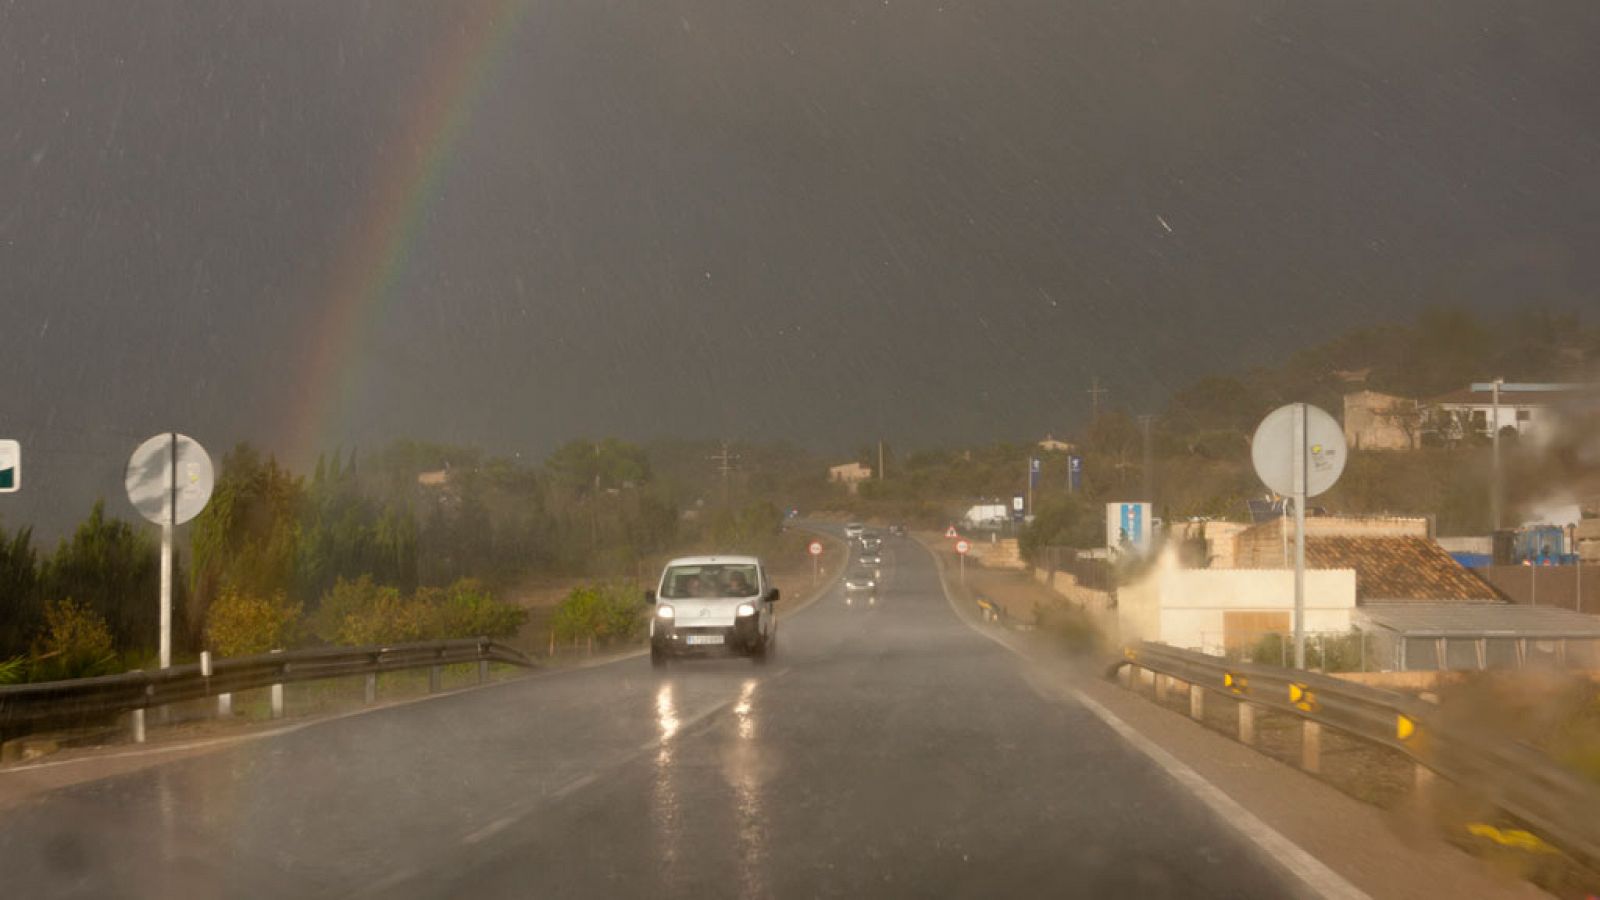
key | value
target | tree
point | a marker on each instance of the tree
(114, 570)
(248, 537)
(20, 610)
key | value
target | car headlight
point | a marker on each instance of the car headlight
(747, 609)
(664, 612)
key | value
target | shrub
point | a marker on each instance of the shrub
(467, 609)
(345, 601)
(577, 616)
(14, 670)
(388, 618)
(613, 611)
(76, 643)
(241, 624)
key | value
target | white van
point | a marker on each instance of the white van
(708, 605)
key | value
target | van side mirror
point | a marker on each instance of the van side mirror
(772, 595)
(650, 595)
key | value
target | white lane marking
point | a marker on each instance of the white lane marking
(489, 830)
(1278, 849)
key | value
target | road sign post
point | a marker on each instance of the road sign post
(169, 480)
(1299, 452)
(816, 561)
(961, 558)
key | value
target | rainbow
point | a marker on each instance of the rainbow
(374, 258)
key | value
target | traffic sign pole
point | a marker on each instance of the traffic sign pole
(169, 479)
(1299, 535)
(166, 553)
(1298, 451)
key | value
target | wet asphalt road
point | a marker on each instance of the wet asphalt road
(884, 752)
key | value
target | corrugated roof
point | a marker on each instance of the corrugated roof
(1481, 620)
(1399, 570)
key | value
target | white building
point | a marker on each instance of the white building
(1527, 409)
(1213, 610)
(850, 474)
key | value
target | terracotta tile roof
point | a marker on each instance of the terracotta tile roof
(1399, 570)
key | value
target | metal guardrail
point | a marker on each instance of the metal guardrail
(26, 708)
(1516, 778)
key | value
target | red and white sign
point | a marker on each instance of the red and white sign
(962, 547)
(815, 548)
(951, 532)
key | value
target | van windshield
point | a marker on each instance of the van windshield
(718, 580)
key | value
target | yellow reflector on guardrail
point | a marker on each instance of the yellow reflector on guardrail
(1302, 697)
(1510, 837)
(1404, 728)
(1236, 683)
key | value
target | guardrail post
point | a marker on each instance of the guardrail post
(1247, 723)
(1197, 703)
(372, 688)
(1310, 746)
(1161, 687)
(224, 701)
(1147, 676)
(277, 696)
(136, 720)
(435, 677)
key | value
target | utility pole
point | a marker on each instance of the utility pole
(880, 459)
(724, 461)
(1149, 460)
(594, 505)
(1494, 474)
(1095, 391)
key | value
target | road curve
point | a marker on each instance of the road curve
(885, 752)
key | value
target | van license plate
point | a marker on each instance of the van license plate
(705, 639)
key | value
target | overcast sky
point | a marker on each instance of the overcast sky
(820, 221)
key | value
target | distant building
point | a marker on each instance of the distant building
(1376, 421)
(1527, 409)
(433, 479)
(1051, 445)
(850, 475)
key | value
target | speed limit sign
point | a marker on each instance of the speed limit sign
(815, 548)
(962, 547)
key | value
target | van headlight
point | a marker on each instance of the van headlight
(664, 612)
(747, 609)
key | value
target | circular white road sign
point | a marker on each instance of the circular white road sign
(962, 547)
(815, 548)
(1273, 449)
(169, 479)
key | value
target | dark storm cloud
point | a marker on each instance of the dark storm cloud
(814, 221)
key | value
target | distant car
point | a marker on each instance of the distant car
(854, 529)
(860, 583)
(897, 530)
(871, 542)
(713, 605)
(869, 560)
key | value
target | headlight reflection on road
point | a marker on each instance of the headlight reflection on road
(744, 768)
(666, 812)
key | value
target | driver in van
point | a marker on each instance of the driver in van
(737, 585)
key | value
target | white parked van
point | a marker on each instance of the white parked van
(713, 605)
